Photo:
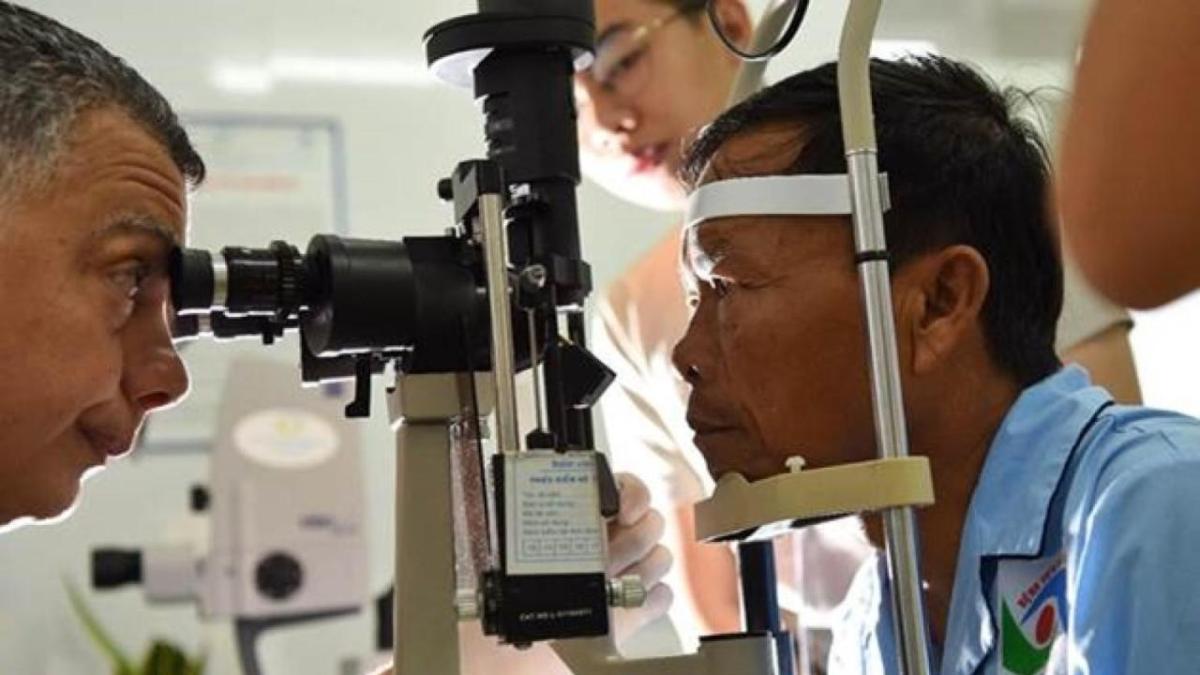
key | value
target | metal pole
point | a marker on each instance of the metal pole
(760, 601)
(495, 246)
(891, 438)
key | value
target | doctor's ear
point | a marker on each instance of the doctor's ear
(734, 20)
(943, 300)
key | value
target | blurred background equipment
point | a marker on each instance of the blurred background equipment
(285, 504)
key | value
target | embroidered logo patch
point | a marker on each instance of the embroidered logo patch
(1032, 596)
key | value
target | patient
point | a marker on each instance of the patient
(1041, 481)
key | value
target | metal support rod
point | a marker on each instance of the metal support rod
(582, 430)
(535, 370)
(552, 374)
(760, 599)
(495, 246)
(858, 126)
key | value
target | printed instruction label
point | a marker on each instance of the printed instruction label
(553, 507)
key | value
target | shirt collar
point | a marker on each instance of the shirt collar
(1025, 463)
(1012, 498)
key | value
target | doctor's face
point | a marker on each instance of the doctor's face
(775, 351)
(86, 350)
(659, 76)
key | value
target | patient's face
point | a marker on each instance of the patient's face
(775, 351)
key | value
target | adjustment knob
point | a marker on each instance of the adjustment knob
(199, 498)
(466, 604)
(278, 576)
(113, 567)
(626, 591)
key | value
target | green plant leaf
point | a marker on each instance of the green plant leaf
(164, 658)
(120, 663)
(196, 667)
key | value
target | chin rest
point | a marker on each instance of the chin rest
(741, 510)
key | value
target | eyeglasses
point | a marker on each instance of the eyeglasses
(622, 63)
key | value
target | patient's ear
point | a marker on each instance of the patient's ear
(941, 298)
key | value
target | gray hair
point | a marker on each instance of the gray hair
(49, 76)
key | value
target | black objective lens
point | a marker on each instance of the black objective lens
(264, 281)
(362, 295)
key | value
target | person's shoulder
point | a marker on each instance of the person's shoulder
(1137, 449)
(646, 304)
(654, 276)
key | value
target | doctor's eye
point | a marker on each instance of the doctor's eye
(129, 278)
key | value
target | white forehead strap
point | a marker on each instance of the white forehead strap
(802, 195)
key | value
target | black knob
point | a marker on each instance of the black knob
(113, 567)
(445, 189)
(199, 498)
(278, 576)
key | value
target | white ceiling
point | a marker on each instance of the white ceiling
(204, 31)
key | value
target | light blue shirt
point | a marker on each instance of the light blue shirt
(1080, 552)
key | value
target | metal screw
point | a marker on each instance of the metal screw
(626, 591)
(534, 277)
(519, 191)
(466, 602)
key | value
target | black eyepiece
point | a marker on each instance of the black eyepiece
(192, 280)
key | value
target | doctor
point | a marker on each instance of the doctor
(1065, 534)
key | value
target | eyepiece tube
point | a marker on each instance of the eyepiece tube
(264, 281)
(238, 281)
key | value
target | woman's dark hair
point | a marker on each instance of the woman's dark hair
(963, 168)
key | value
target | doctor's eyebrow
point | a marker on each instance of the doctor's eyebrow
(138, 223)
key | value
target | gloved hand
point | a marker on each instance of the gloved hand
(634, 547)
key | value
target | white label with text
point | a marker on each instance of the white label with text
(553, 504)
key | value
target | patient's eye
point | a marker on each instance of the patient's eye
(722, 287)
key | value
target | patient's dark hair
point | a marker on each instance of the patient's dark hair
(963, 168)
